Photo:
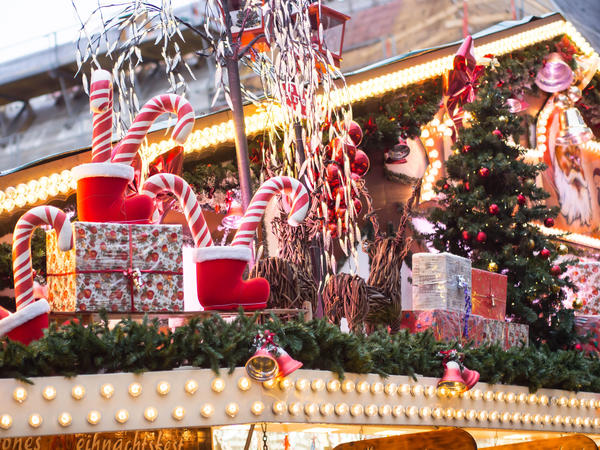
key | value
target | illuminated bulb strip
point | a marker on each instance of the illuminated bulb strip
(208, 137)
(575, 238)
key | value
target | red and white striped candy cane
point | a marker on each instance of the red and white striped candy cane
(21, 251)
(187, 199)
(258, 205)
(129, 145)
(101, 105)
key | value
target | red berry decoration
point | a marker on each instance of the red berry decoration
(481, 237)
(466, 235)
(498, 133)
(521, 199)
(333, 175)
(467, 185)
(555, 270)
(466, 149)
(446, 186)
(545, 253)
(549, 222)
(578, 347)
(484, 172)
(360, 165)
(493, 209)
(343, 146)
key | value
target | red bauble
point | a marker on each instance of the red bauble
(446, 186)
(467, 185)
(465, 235)
(466, 149)
(521, 199)
(341, 212)
(360, 165)
(493, 209)
(555, 270)
(353, 130)
(578, 347)
(343, 147)
(498, 133)
(549, 222)
(328, 152)
(484, 172)
(545, 253)
(333, 175)
(333, 229)
(481, 237)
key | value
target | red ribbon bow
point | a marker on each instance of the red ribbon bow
(461, 82)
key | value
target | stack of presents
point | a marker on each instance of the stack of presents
(458, 303)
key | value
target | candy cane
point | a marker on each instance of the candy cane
(187, 199)
(256, 209)
(21, 251)
(101, 105)
(128, 147)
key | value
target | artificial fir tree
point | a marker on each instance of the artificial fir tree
(489, 203)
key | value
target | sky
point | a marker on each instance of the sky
(25, 24)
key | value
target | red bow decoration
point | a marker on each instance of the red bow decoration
(168, 162)
(461, 82)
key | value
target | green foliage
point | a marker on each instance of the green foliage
(512, 242)
(212, 343)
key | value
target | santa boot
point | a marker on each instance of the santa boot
(219, 278)
(27, 324)
(101, 194)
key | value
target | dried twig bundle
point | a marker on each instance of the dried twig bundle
(345, 295)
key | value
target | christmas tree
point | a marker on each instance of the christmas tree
(489, 204)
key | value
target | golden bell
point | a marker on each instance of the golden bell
(262, 366)
(573, 130)
(577, 303)
(452, 380)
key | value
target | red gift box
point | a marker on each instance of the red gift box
(488, 294)
(449, 326)
(589, 326)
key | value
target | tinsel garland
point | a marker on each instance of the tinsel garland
(131, 346)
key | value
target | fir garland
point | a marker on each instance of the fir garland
(130, 346)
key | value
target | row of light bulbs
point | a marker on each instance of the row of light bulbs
(312, 409)
(209, 137)
(218, 385)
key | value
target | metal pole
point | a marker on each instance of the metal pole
(241, 142)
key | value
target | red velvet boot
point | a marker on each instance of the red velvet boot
(27, 324)
(219, 278)
(101, 195)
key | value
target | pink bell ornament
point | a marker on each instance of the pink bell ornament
(555, 75)
(470, 377)
(452, 380)
(286, 363)
(262, 366)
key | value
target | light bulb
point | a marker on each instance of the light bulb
(348, 386)
(429, 391)
(390, 388)
(107, 390)
(449, 413)
(270, 384)
(377, 387)
(78, 392)
(476, 394)
(218, 385)
(20, 394)
(493, 416)
(537, 419)
(488, 396)
(411, 411)
(327, 409)
(135, 389)
(404, 389)
(532, 399)
(356, 410)
(499, 396)
(244, 383)
(557, 420)
(459, 414)
(191, 386)
(279, 407)
(510, 397)
(515, 417)
(526, 418)
(35, 420)
(424, 412)
(362, 387)
(310, 409)
(317, 385)
(122, 416)
(163, 387)
(567, 420)
(573, 402)
(543, 400)
(257, 408)
(522, 397)
(93, 417)
(232, 409)
(482, 416)
(341, 409)
(207, 410)
(416, 390)
(302, 384)
(65, 419)
(295, 408)
(6, 421)
(49, 393)
(333, 385)
(179, 412)
(385, 410)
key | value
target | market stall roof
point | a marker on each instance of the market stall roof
(53, 175)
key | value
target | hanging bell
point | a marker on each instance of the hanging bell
(573, 130)
(286, 363)
(262, 366)
(555, 75)
(470, 377)
(452, 380)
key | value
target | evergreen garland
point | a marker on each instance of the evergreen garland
(213, 343)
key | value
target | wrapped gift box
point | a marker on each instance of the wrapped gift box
(488, 294)
(439, 281)
(449, 326)
(117, 267)
(586, 276)
(589, 327)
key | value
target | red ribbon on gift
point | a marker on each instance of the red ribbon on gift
(461, 82)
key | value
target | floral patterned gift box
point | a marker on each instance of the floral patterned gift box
(117, 267)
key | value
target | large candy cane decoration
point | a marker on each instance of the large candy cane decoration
(256, 209)
(101, 105)
(128, 147)
(21, 251)
(187, 199)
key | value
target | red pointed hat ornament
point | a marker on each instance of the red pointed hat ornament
(31, 317)
(461, 82)
(102, 184)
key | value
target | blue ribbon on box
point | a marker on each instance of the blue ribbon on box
(468, 304)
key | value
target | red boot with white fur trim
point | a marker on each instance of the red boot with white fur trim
(219, 278)
(27, 324)
(101, 195)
